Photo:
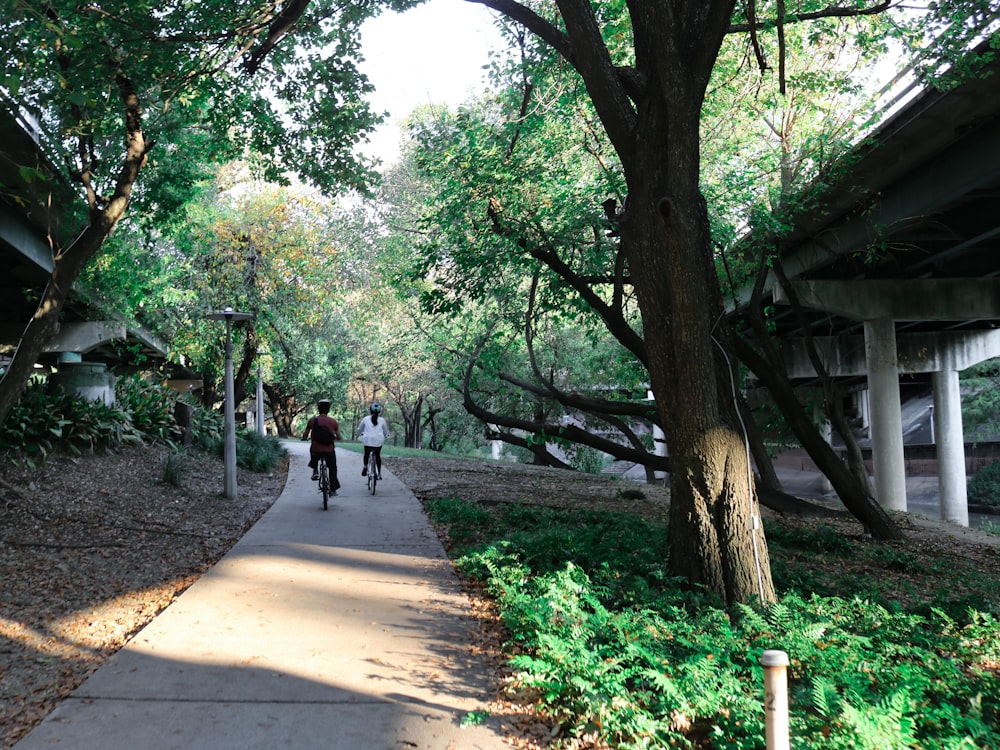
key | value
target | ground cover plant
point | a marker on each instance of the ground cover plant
(890, 647)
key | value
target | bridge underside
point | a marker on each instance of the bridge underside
(905, 250)
(921, 204)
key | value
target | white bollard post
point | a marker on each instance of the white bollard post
(776, 699)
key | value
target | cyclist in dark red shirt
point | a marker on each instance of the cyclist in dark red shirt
(324, 430)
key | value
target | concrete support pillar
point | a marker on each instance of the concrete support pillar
(496, 446)
(89, 381)
(886, 415)
(826, 430)
(659, 448)
(864, 410)
(950, 440)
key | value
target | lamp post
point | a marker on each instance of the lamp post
(229, 456)
(260, 393)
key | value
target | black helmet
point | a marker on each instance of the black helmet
(375, 408)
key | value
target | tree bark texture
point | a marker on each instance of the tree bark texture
(283, 410)
(716, 538)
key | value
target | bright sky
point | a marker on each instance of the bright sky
(432, 54)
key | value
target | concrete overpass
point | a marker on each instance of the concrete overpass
(900, 273)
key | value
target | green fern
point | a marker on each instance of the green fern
(623, 654)
(888, 724)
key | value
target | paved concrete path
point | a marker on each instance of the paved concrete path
(341, 630)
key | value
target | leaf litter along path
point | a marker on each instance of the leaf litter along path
(92, 548)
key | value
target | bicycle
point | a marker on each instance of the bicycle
(372, 472)
(324, 480)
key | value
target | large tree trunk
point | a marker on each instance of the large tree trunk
(44, 324)
(716, 538)
(250, 345)
(282, 409)
(411, 420)
(651, 114)
(431, 422)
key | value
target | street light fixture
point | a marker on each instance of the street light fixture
(229, 456)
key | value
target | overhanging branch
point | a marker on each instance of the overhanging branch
(831, 11)
(570, 433)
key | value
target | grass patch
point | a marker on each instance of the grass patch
(889, 648)
(393, 450)
(174, 469)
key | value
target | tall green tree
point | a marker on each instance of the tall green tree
(512, 236)
(646, 67)
(535, 175)
(115, 85)
(267, 249)
(395, 363)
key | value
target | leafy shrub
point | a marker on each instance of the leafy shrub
(93, 425)
(256, 452)
(41, 420)
(630, 493)
(586, 459)
(207, 430)
(823, 540)
(860, 676)
(174, 467)
(984, 486)
(464, 518)
(151, 408)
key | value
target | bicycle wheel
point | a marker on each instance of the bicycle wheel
(372, 472)
(324, 482)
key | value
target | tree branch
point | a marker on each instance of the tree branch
(571, 433)
(279, 28)
(613, 319)
(526, 17)
(831, 11)
(539, 451)
(604, 81)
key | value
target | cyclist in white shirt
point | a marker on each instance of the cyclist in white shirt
(373, 432)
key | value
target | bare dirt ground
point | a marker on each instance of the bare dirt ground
(490, 481)
(92, 548)
(500, 482)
